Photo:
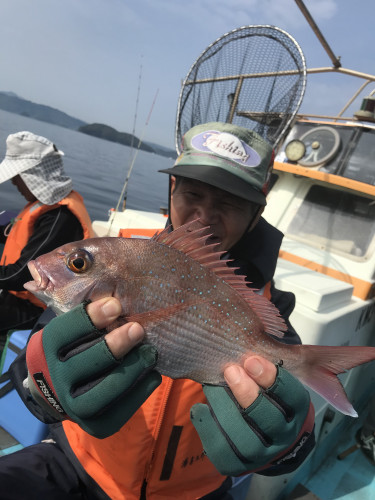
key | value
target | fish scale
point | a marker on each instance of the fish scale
(194, 309)
(192, 348)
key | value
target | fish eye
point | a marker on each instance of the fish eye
(79, 262)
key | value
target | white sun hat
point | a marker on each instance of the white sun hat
(39, 163)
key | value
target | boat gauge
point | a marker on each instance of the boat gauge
(295, 150)
(321, 143)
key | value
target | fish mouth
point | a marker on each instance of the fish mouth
(41, 281)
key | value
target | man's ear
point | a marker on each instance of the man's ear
(173, 183)
(256, 217)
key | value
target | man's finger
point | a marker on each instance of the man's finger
(243, 387)
(245, 382)
(122, 340)
(104, 311)
(262, 371)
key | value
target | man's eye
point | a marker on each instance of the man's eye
(191, 193)
(230, 204)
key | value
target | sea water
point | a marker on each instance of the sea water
(97, 167)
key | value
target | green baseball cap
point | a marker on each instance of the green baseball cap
(228, 157)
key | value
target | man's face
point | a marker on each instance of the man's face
(22, 188)
(227, 215)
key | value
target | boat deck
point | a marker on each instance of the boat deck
(351, 478)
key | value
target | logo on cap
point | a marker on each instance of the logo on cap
(226, 145)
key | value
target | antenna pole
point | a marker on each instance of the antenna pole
(335, 60)
(124, 189)
(134, 126)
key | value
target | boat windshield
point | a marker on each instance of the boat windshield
(337, 221)
(361, 162)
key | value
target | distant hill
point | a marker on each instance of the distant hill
(12, 103)
(162, 150)
(110, 134)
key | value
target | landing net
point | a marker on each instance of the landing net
(254, 77)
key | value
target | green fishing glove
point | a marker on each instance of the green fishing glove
(73, 374)
(274, 433)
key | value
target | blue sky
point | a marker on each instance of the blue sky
(84, 56)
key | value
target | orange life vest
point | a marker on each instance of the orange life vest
(23, 228)
(158, 446)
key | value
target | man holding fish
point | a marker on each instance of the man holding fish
(164, 352)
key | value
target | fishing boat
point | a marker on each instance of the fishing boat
(323, 200)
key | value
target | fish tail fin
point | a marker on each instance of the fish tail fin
(322, 364)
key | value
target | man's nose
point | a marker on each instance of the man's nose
(208, 212)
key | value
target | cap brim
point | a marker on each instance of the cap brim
(220, 178)
(11, 168)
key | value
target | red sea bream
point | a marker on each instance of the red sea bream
(197, 312)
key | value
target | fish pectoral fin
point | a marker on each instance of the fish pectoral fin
(148, 318)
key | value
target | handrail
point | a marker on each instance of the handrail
(328, 69)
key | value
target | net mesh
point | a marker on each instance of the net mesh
(253, 76)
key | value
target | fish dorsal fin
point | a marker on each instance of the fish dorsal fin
(192, 242)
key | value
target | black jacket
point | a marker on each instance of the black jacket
(51, 230)
(255, 256)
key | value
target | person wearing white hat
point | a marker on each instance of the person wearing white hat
(54, 215)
